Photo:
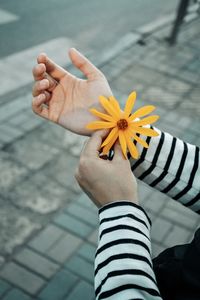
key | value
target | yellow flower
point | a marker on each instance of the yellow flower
(124, 125)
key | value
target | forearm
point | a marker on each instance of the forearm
(123, 265)
(171, 166)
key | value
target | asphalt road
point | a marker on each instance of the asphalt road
(91, 24)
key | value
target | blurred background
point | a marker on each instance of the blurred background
(48, 227)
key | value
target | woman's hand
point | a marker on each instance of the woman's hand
(105, 181)
(65, 99)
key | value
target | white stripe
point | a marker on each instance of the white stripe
(126, 263)
(124, 233)
(123, 210)
(124, 221)
(140, 280)
(7, 17)
(120, 249)
(189, 163)
(191, 194)
(16, 68)
(174, 165)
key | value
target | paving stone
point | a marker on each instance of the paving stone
(4, 286)
(16, 294)
(155, 203)
(47, 238)
(73, 225)
(9, 133)
(144, 191)
(155, 94)
(56, 135)
(2, 260)
(157, 249)
(37, 263)
(22, 278)
(31, 152)
(15, 228)
(87, 251)
(176, 236)
(63, 170)
(81, 267)
(82, 290)
(44, 200)
(160, 229)
(12, 172)
(93, 238)
(177, 217)
(59, 286)
(83, 214)
(32, 124)
(64, 248)
(86, 202)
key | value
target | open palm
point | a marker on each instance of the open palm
(65, 99)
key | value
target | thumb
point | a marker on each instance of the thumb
(83, 64)
(118, 154)
(93, 145)
(54, 70)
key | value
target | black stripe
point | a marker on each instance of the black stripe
(155, 158)
(166, 167)
(123, 216)
(126, 287)
(192, 176)
(122, 227)
(179, 172)
(123, 203)
(122, 241)
(123, 272)
(122, 256)
(194, 200)
(142, 157)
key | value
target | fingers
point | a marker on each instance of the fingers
(39, 72)
(52, 68)
(118, 154)
(93, 145)
(83, 64)
(40, 86)
(38, 105)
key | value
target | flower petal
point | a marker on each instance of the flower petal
(143, 111)
(146, 121)
(132, 148)
(122, 141)
(144, 131)
(115, 103)
(129, 104)
(137, 138)
(108, 107)
(101, 115)
(107, 147)
(100, 124)
(110, 136)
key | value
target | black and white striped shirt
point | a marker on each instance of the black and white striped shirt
(123, 263)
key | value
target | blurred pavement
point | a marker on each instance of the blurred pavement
(48, 227)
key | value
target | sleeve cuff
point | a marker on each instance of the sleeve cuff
(122, 207)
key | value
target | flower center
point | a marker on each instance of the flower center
(122, 124)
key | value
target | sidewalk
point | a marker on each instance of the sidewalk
(48, 227)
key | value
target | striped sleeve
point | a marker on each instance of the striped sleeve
(171, 166)
(123, 265)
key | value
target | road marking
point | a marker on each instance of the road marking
(7, 17)
(16, 68)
